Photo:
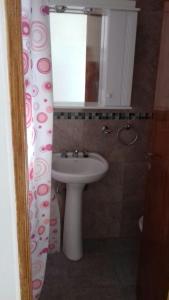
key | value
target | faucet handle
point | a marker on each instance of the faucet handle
(85, 153)
(64, 154)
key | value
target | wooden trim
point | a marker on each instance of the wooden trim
(166, 6)
(13, 17)
(162, 89)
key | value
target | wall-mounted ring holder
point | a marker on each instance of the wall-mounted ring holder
(106, 130)
(122, 129)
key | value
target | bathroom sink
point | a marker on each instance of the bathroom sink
(78, 170)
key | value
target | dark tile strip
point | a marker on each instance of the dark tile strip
(102, 116)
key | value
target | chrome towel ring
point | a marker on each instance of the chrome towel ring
(122, 129)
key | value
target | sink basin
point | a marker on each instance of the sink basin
(76, 173)
(80, 169)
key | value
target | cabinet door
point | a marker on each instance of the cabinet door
(153, 282)
(117, 57)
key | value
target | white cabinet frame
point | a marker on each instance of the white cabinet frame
(119, 25)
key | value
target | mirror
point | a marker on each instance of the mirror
(75, 43)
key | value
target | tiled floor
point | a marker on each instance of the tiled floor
(108, 270)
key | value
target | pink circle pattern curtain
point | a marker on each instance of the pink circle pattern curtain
(39, 123)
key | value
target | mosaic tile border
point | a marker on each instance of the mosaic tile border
(103, 115)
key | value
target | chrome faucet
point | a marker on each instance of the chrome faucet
(75, 153)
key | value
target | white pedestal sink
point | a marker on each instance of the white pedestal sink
(76, 173)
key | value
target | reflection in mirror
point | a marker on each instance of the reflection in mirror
(75, 41)
(93, 58)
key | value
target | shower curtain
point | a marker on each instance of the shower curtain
(39, 123)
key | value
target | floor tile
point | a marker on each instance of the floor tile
(108, 270)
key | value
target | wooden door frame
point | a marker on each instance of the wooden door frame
(13, 22)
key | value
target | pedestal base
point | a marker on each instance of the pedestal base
(72, 235)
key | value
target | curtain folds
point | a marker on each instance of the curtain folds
(39, 123)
